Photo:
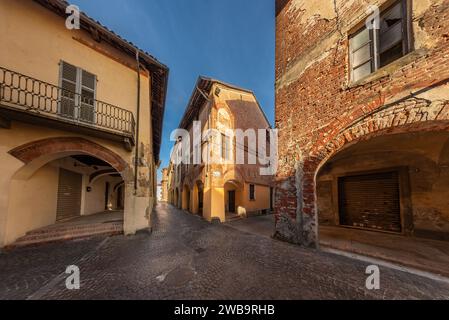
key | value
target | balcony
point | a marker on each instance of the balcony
(30, 100)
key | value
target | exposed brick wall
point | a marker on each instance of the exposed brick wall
(318, 111)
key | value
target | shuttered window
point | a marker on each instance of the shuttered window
(372, 49)
(78, 93)
(225, 147)
(370, 201)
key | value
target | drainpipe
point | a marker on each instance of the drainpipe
(136, 157)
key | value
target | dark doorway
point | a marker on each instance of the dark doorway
(200, 200)
(188, 200)
(120, 196)
(231, 200)
(106, 196)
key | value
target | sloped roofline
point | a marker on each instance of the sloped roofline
(204, 86)
(159, 72)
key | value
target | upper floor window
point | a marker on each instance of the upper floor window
(373, 48)
(78, 93)
(226, 147)
(197, 155)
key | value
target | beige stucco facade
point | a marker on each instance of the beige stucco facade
(220, 190)
(35, 41)
(164, 185)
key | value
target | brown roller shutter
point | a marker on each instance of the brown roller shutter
(69, 195)
(370, 201)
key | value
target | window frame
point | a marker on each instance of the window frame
(226, 147)
(79, 87)
(374, 41)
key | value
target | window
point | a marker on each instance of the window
(225, 147)
(373, 49)
(78, 93)
(196, 156)
(252, 192)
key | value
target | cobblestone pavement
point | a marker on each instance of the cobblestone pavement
(187, 258)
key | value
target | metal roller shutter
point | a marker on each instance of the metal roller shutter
(69, 195)
(370, 201)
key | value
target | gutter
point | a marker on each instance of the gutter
(136, 156)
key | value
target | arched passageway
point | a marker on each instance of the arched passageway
(62, 180)
(392, 183)
(199, 186)
(387, 197)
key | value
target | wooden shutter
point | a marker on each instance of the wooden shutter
(69, 80)
(69, 195)
(370, 201)
(87, 106)
(78, 90)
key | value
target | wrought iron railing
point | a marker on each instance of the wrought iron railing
(32, 95)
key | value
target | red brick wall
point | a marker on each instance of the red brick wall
(315, 102)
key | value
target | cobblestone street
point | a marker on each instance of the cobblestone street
(187, 258)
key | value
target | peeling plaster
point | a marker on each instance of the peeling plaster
(322, 8)
(308, 60)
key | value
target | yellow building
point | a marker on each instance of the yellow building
(164, 185)
(223, 189)
(79, 108)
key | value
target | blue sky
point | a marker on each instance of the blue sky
(231, 40)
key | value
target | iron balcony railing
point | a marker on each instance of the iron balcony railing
(27, 94)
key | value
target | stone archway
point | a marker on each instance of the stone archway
(41, 149)
(297, 221)
(36, 158)
(233, 198)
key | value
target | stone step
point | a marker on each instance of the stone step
(64, 234)
(233, 217)
(58, 233)
(74, 228)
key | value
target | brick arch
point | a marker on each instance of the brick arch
(36, 149)
(100, 173)
(405, 117)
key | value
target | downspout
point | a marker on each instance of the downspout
(136, 157)
(209, 119)
(209, 101)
